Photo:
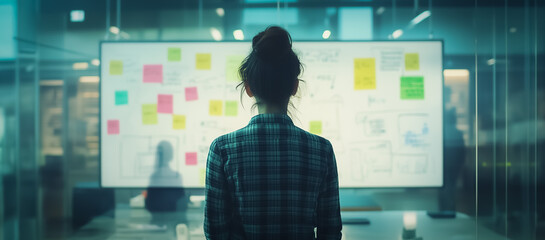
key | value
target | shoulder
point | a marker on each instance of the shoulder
(316, 140)
(226, 140)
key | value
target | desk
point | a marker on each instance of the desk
(387, 225)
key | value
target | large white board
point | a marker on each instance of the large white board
(379, 103)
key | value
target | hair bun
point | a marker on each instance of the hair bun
(272, 44)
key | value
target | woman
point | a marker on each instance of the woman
(271, 179)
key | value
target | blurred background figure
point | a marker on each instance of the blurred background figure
(160, 201)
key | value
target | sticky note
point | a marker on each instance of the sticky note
(232, 64)
(191, 158)
(164, 103)
(191, 94)
(202, 175)
(412, 62)
(231, 108)
(216, 108)
(121, 97)
(178, 121)
(153, 73)
(364, 74)
(412, 88)
(203, 61)
(149, 114)
(116, 67)
(174, 54)
(316, 127)
(113, 127)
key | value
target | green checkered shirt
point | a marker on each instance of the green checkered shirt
(271, 180)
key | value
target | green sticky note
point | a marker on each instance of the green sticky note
(316, 127)
(116, 67)
(121, 97)
(232, 64)
(231, 108)
(149, 114)
(412, 88)
(174, 54)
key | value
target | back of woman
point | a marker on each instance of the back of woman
(271, 179)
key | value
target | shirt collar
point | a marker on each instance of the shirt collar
(271, 118)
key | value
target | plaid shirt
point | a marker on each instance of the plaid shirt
(271, 180)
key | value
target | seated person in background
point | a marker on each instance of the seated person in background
(271, 179)
(160, 200)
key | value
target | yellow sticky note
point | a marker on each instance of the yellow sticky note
(232, 64)
(216, 108)
(203, 61)
(149, 114)
(316, 127)
(412, 62)
(202, 175)
(231, 108)
(116, 67)
(178, 121)
(364, 74)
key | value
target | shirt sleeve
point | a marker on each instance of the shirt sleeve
(329, 222)
(217, 208)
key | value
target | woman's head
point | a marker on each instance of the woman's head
(271, 71)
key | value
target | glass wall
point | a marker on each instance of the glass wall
(494, 117)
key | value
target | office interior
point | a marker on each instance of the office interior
(494, 94)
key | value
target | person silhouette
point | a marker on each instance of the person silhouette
(160, 200)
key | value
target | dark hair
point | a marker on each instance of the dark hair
(272, 68)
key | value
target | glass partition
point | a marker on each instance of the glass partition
(494, 117)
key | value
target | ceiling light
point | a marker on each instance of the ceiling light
(77, 16)
(326, 34)
(114, 30)
(95, 62)
(456, 73)
(397, 33)
(421, 17)
(220, 12)
(491, 61)
(89, 79)
(238, 34)
(80, 66)
(216, 34)
(380, 10)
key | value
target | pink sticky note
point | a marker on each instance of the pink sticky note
(164, 103)
(191, 158)
(113, 127)
(191, 94)
(153, 73)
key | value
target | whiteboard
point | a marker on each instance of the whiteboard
(379, 103)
